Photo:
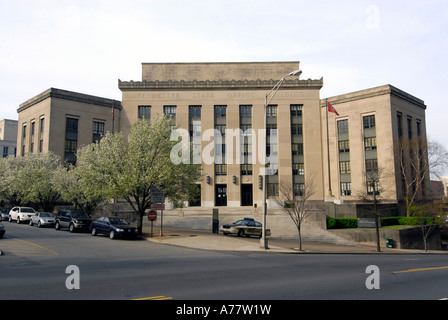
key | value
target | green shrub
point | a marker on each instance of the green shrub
(342, 223)
(404, 221)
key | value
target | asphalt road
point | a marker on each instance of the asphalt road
(34, 266)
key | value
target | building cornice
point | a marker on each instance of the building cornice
(69, 95)
(218, 85)
(374, 92)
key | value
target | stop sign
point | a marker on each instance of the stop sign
(152, 215)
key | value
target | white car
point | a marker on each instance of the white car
(42, 219)
(21, 214)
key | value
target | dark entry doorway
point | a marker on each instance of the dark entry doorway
(246, 195)
(221, 195)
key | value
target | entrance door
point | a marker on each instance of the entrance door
(221, 195)
(246, 195)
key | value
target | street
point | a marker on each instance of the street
(35, 260)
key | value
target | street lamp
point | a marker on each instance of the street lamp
(268, 98)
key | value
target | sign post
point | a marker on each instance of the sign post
(152, 216)
(158, 202)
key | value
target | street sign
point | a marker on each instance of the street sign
(158, 206)
(152, 215)
(157, 196)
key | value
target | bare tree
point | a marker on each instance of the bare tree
(295, 204)
(371, 194)
(418, 159)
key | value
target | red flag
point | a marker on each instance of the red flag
(332, 109)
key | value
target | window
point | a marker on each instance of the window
(299, 189)
(5, 152)
(399, 125)
(71, 139)
(296, 110)
(370, 143)
(346, 188)
(220, 111)
(371, 165)
(369, 122)
(298, 169)
(344, 167)
(272, 189)
(409, 122)
(344, 146)
(371, 186)
(220, 169)
(271, 111)
(98, 131)
(144, 112)
(170, 112)
(296, 128)
(297, 149)
(246, 169)
(343, 126)
(246, 111)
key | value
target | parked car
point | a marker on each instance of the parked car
(2, 230)
(4, 214)
(72, 219)
(246, 227)
(114, 227)
(42, 219)
(21, 214)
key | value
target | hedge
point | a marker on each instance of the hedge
(342, 223)
(350, 223)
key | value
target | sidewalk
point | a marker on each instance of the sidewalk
(206, 240)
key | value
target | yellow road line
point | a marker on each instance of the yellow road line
(36, 245)
(155, 298)
(421, 269)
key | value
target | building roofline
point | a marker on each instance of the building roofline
(373, 92)
(69, 95)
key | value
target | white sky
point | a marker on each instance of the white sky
(86, 46)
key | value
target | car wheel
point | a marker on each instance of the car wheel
(112, 235)
(71, 227)
(18, 220)
(94, 232)
(39, 224)
(9, 218)
(31, 222)
(57, 226)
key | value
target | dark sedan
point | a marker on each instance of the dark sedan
(114, 227)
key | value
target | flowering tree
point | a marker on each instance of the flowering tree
(128, 168)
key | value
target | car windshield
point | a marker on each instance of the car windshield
(240, 223)
(29, 210)
(117, 221)
(79, 214)
(45, 214)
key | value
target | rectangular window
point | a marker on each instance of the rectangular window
(71, 139)
(369, 122)
(298, 169)
(370, 143)
(372, 165)
(170, 112)
(246, 169)
(220, 169)
(296, 110)
(299, 189)
(144, 112)
(297, 148)
(271, 111)
(296, 128)
(98, 131)
(371, 186)
(344, 167)
(5, 152)
(346, 188)
(272, 189)
(344, 146)
(409, 122)
(399, 125)
(343, 126)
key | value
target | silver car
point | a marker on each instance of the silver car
(42, 219)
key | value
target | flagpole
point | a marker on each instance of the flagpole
(330, 195)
